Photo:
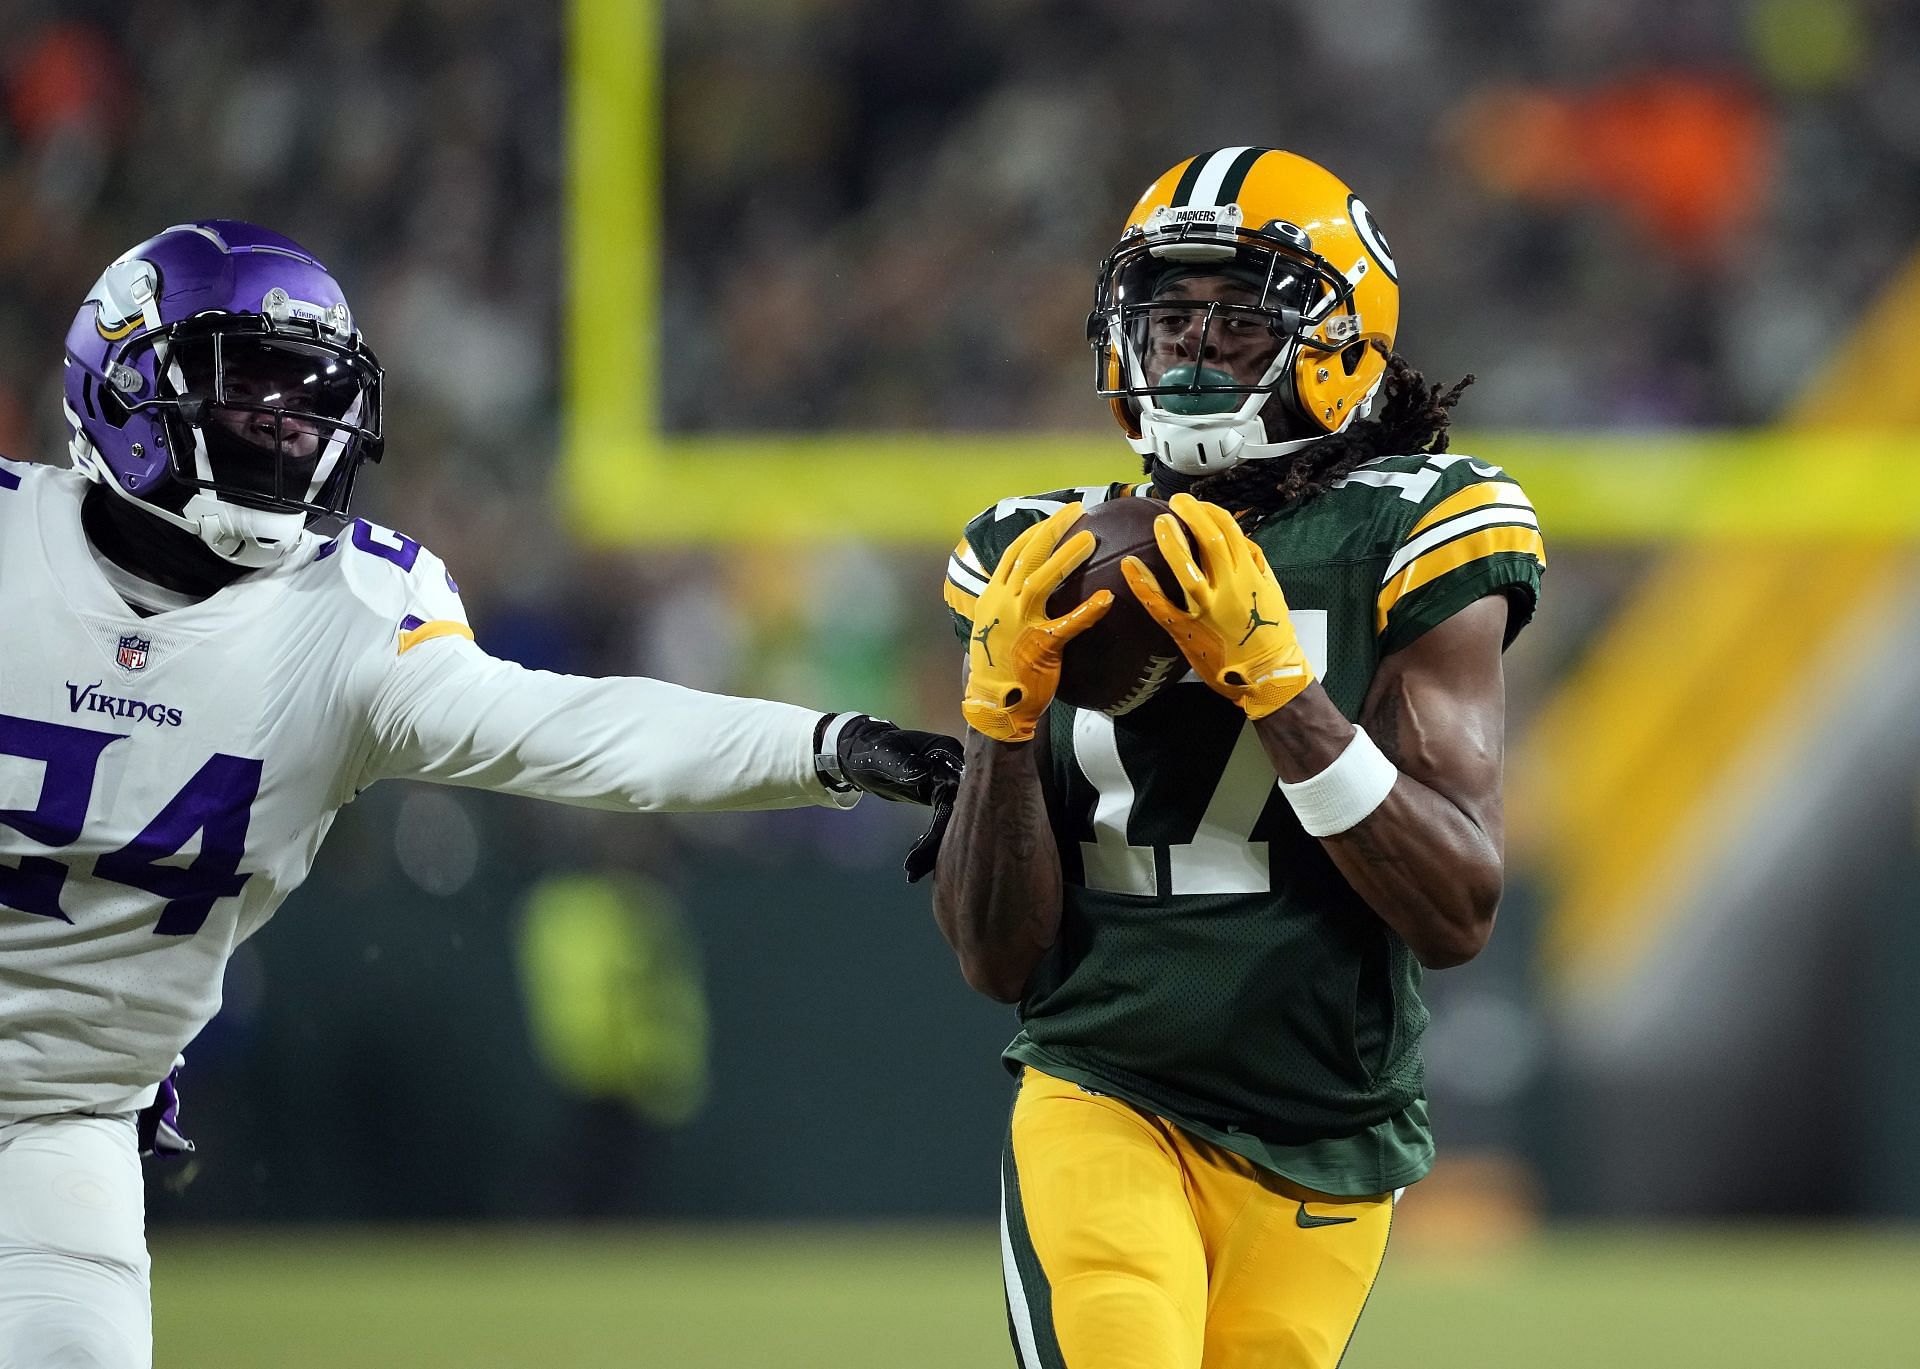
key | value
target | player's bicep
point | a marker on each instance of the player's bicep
(423, 713)
(1437, 708)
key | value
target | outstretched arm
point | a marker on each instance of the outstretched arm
(447, 711)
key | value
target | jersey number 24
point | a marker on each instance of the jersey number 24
(215, 804)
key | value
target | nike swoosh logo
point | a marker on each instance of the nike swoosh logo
(1307, 1219)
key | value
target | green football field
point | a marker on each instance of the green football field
(849, 1298)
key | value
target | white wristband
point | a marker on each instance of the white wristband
(1337, 798)
(826, 752)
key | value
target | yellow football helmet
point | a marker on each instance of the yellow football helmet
(1243, 276)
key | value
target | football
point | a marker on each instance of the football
(1118, 663)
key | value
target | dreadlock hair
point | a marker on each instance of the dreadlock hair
(1409, 416)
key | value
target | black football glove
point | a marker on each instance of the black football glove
(854, 751)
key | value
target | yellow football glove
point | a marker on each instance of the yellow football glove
(1235, 630)
(1013, 659)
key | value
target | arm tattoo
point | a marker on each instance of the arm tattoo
(1385, 724)
(1019, 817)
(997, 892)
(1367, 847)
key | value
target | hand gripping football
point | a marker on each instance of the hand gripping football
(1118, 663)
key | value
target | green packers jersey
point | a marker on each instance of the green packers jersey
(1213, 966)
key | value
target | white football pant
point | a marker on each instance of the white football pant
(73, 1246)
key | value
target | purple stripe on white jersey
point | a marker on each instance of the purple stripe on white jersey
(410, 622)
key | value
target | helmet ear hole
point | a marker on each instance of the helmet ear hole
(113, 409)
(1350, 358)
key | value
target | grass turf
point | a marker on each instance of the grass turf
(848, 1298)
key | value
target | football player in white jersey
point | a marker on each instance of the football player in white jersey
(201, 659)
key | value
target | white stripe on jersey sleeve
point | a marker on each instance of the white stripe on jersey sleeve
(1486, 516)
(962, 576)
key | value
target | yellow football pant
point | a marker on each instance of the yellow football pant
(1129, 1244)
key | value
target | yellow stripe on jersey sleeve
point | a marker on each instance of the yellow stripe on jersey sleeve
(426, 632)
(960, 601)
(1453, 555)
(1472, 497)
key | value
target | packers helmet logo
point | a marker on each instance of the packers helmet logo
(1370, 235)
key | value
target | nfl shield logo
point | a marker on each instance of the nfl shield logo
(132, 654)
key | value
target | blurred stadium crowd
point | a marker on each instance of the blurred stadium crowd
(915, 196)
(914, 200)
(889, 216)
(415, 147)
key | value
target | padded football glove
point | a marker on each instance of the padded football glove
(1013, 659)
(854, 751)
(1235, 631)
(157, 1125)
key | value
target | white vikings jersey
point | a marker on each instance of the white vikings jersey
(166, 781)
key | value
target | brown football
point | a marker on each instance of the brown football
(1118, 663)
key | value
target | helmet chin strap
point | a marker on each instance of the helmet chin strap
(247, 537)
(151, 548)
(1207, 444)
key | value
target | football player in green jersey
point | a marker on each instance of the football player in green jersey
(1214, 907)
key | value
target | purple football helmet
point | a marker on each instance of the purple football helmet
(214, 378)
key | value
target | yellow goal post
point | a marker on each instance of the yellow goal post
(625, 482)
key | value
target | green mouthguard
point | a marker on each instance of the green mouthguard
(1216, 402)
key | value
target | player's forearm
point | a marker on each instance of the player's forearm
(1427, 870)
(453, 714)
(1422, 863)
(996, 890)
